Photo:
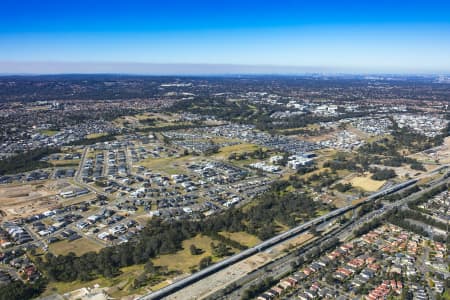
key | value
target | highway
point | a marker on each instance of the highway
(270, 243)
(278, 268)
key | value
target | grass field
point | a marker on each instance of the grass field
(183, 260)
(78, 247)
(124, 279)
(297, 241)
(64, 287)
(322, 212)
(48, 132)
(170, 165)
(95, 135)
(281, 227)
(366, 183)
(242, 238)
(225, 152)
(319, 170)
(446, 295)
(143, 117)
(65, 163)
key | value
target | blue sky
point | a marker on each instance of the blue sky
(346, 36)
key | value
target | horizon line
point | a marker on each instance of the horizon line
(36, 68)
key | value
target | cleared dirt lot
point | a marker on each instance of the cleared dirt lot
(24, 200)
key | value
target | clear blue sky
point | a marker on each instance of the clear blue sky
(341, 35)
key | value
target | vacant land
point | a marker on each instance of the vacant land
(183, 260)
(366, 183)
(25, 200)
(95, 135)
(225, 152)
(169, 165)
(64, 287)
(65, 163)
(116, 286)
(79, 247)
(207, 286)
(48, 132)
(432, 157)
(242, 238)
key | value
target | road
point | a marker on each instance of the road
(282, 266)
(278, 268)
(81, 164)
(201, 275)
(275, 269)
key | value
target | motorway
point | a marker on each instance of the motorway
(271, 242)
(285, 236)
(274, 269)
(282, 266)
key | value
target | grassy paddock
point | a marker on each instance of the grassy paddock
(242, 238)
(65, 163)
(225, 152)
(366, 183)
(95, 135)
(170, 165)
(48, 132)
(183, 260)
(79, 247)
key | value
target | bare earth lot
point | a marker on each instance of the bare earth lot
(25, 200)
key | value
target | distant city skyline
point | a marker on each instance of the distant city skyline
(233, 37)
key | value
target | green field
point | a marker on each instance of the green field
(65, 163)
(48, 132)
(124, 280)
(169, 165)
(183, 260)
(78, 247)
(225, 152)
(366, 183)
(242, 238)
(95, 135)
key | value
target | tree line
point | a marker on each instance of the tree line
(166, 236)
(26, 161)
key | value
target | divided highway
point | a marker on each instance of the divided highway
(269, 243)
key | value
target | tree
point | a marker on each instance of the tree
(194, 250)
(313, 230)
(205, 262)
(27, 161)
(220, 250)
(383, 174)
(149, 267)
(232, 156)
(139, 281)
(18, 290)
(343, 187)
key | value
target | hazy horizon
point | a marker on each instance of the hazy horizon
(186, 69)
(207, 37)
